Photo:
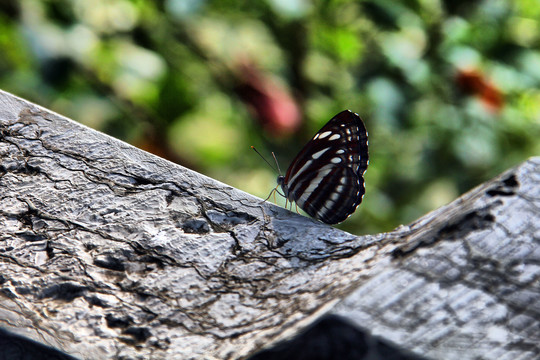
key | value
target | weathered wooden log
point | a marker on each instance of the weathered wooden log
(107, 251)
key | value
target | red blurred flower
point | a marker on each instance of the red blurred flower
(473, 82)
(270, 102)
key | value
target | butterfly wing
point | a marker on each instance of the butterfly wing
(326, 179)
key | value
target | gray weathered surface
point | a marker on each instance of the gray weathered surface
(466, 284)
(106, 250)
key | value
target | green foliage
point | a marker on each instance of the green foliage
(449, 90)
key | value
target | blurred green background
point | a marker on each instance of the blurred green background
(449, 90)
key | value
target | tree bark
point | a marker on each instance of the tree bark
(107, 251)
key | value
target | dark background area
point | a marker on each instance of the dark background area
(330, 338)
(449, 90)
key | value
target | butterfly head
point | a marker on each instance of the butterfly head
(284, 187)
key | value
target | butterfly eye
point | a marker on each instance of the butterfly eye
(326, 179)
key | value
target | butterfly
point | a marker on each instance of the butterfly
(326, 178)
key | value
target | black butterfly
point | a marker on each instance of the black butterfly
(326, 179)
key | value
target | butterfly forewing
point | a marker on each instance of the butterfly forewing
(326, 177)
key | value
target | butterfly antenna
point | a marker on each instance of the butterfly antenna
(277, 164)
(275, 190)
(266, 161)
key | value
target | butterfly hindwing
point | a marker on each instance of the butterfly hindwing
(326, 177)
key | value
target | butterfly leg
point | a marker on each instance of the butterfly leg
(268, 197)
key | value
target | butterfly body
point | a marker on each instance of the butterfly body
(326, 179)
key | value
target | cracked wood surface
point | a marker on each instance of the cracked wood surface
(466, 282)
(108, 251)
